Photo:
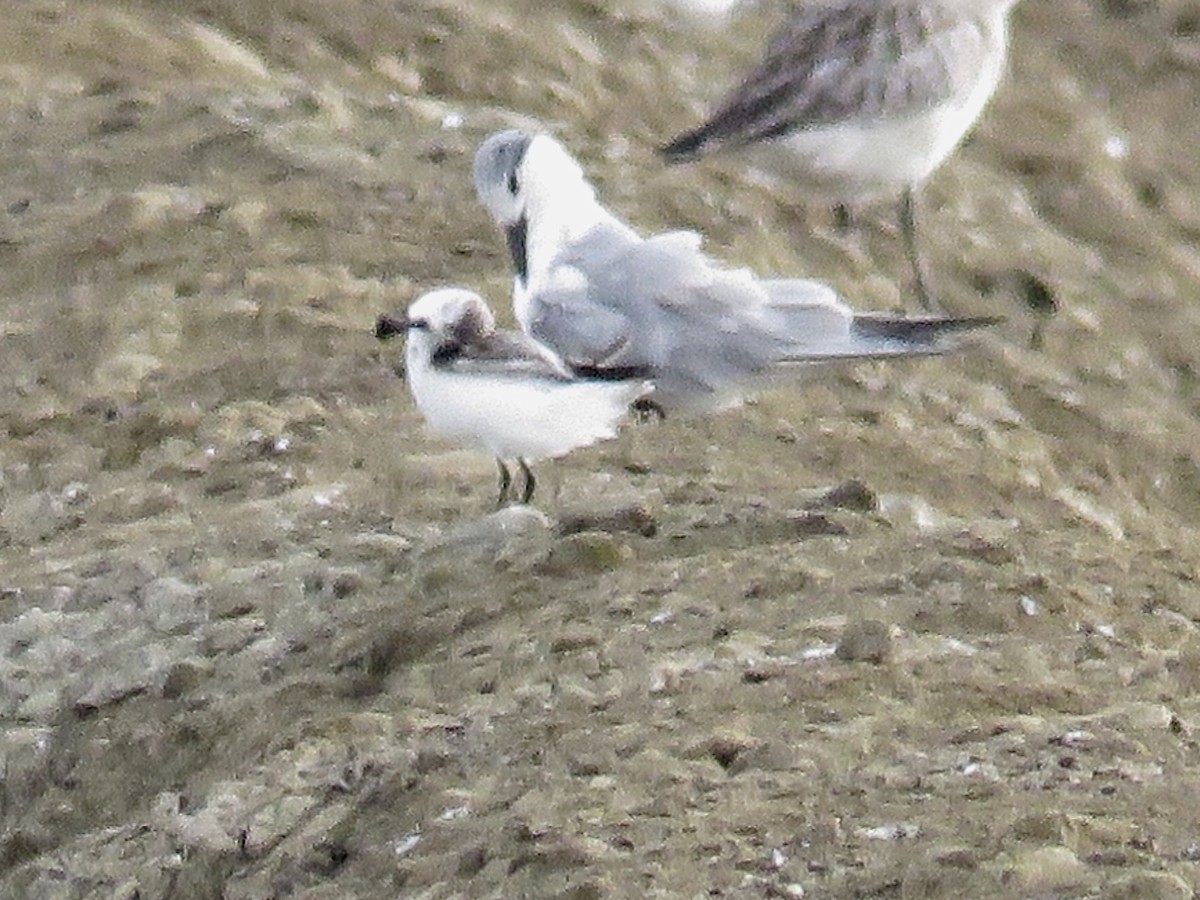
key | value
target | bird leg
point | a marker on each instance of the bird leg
(530, 481)
(505, 483)
(843, 218)
(908, 232)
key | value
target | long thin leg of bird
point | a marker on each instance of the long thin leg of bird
(908, 231)
(530, 481)
(505, 482)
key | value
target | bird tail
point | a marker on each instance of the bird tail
(817, 326)
(931, 330)
(685, 148)
(880, 337)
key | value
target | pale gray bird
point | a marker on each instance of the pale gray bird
(501, 391)
(607, 300)
(861, 98)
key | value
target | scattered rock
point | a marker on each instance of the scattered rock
(35, 517)
(925, 881)
(109, 688)
(814, 525)
(958, 858)
(890, 831)
(511, 535)
(585, 553)
(727, 748)
(1043, 870)
(1149, 886)
(173, 606)
(632, 519)
(853, 495)
(574, 640)
(184, 677)
(911, 512)
(764, 756)
(1039, 827)
(868, 640)
(472, 861)
(992, 550)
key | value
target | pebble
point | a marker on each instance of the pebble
(584, 553)
(173, 606)
(868, 640)
(1148, 886)
(1042, 870)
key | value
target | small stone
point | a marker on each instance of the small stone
(571, 641)
(631, 519)
(1041, 827)
(815, 525)
(1148, 886)
(184, 677)
(958, 858)
(1136, 716)
(510, 535)
(173, 606)
(230, 636)
(472, 861)
(891, 831)
(852, 495)
(36, 517)
(727, 748)
(925, 881)
(765, 756)
(1187, 668)
(990, 549)
(1043, 870)
(585, 553)
(110, 688)
(866, 641)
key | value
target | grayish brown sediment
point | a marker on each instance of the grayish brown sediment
(260, 637)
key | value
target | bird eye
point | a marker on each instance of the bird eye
(513, 185)
(419, 324)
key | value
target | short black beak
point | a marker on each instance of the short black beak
(387, 327)
(518, 246)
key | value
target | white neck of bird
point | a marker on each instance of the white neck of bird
(558, 215)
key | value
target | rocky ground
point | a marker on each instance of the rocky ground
(913, 630)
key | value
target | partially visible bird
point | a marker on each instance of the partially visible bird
(501, 391)
(860, 98)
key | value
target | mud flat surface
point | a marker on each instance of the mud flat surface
(921, 630)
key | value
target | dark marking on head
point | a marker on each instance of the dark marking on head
(518, 247)
(471, 327)
(446, 353)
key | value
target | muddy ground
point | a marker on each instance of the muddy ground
(910, 630)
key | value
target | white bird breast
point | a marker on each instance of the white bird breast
(516, 416)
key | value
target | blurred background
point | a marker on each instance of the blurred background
(921, 629)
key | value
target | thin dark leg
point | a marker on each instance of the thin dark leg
(908, 231)
(843, 218)
(530, 481)
(505, 482)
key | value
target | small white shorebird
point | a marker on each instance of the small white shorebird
(862, 98)
(501, 391)
(607, 300)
